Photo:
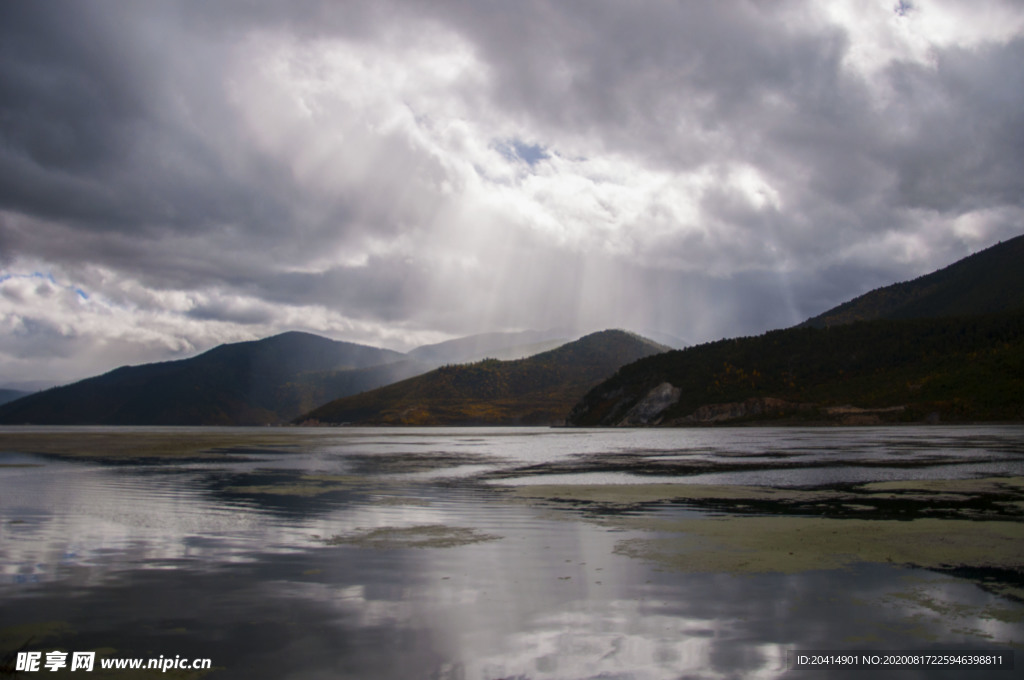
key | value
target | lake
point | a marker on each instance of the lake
(511, 552)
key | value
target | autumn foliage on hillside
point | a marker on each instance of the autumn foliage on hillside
(956, 369)
(538, 390)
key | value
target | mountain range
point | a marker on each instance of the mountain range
(948, 346)
(538, 390)
(244, 383)
(278, 379)
(508, 346)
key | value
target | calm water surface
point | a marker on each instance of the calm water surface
(395, 553)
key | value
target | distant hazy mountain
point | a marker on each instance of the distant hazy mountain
(537, 390)
(11, 395)
(667, 339)
(508, 346)
(312, 389)
(991, 280)
(246, 383)
(948, 346)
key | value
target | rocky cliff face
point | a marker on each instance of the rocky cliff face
(618, 408)
(649, 410)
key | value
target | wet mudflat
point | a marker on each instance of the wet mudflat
(498, 553)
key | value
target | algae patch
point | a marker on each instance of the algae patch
(994, 498)
(969, 526)
(13, 637)
(984, 485)
(423, 536)
(414, 462)
(793, 544)
(410, 501)
(130, 444)
(631, 494)
(306, 485)
(945, 610)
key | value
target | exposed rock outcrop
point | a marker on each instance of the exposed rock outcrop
(648, 410)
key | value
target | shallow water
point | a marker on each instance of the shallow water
(390, 553)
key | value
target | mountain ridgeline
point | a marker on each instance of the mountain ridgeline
(947, 347)
(516, 345)
(11, 395)
(538, 390)
(246, 383)
(987, 282)
(274, 380)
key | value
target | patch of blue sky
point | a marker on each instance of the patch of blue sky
(46, 276)
(34, 275)
(518, 150)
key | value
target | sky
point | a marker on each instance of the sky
(176, 175)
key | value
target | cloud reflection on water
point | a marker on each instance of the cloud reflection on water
(173, 558)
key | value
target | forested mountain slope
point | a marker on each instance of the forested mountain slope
(246, 383)
(948, 346)
(537, 390)
(986, 282)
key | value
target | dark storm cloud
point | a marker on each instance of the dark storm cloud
(654, 78)
(678, 84)
(96, 103)
(966, 130)
(701, 169)
(221, 311)
(118, 119)
(381, 287)
(71, 92)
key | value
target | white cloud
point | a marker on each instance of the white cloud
(403, 173)
(884, 31)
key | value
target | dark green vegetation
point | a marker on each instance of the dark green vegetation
(534, 391)
(11, 395)
(987, 282)
(960, 369)
(946, 347)
(245, 383)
